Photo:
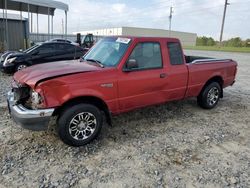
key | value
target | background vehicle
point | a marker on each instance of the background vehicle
(63, 40)
(4, 55)
(88, 40)
(40, 53)
(119, 74)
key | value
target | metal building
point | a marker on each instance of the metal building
(18, 31)
(187, 39)
(32, 7)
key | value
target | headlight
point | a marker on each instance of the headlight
(36, 99)
(7, 61)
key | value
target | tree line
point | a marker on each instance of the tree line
(233, 42)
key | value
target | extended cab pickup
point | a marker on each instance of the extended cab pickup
(117, 75)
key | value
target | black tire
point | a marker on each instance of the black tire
(205, 99)
(20, 66)
(67, 122)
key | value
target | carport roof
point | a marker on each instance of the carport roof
(35, 6)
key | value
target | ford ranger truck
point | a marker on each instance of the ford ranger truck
(117, 75)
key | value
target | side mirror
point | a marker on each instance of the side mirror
(131, 64)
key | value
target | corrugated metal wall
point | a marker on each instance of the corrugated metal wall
(42, 37)
(1, 35)
(17, 34)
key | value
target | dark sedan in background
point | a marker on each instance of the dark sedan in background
(46, 52)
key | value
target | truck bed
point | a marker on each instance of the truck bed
(190, 59)
(199, 59)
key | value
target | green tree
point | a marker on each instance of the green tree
(234, 42)
(247, 43)
(210, 41)
(199, 41)
(205, 41)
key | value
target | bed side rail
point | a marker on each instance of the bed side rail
(198, 61)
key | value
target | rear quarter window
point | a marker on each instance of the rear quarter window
(70, 48)
(175, 53)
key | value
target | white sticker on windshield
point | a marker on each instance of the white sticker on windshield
(123, 40)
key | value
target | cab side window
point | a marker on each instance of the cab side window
(147, 55)
(175, 53)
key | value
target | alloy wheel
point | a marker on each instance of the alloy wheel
(21, 67)
(82, 125)
(213, 96)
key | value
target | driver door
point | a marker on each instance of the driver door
(142, 86)
(43, 54)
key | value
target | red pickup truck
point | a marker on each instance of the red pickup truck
(117, 75)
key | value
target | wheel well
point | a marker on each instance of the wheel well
(217, 79)
(22, 63)
(99, 103)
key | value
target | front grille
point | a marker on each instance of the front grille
(21, 92)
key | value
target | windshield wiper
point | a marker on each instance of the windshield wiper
(96, 61)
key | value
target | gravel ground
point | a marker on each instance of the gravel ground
(172, 145)
(5, 81)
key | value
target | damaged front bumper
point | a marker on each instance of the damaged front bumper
(36, 120)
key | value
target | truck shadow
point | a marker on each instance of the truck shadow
(168, 116)
(141, 121)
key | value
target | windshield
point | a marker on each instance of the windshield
(108, 51)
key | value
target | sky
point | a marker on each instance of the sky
(203, 17)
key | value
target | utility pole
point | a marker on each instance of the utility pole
(170, 20)
(223, 21)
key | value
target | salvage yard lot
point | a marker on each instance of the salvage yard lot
(177, 145)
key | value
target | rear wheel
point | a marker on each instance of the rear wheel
(79, 124)
(210, 95)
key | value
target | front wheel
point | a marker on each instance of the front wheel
(21, 67)
(79, 124)
(210, 95)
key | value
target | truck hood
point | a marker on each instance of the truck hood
(34, 74)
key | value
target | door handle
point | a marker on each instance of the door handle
(163, 75)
